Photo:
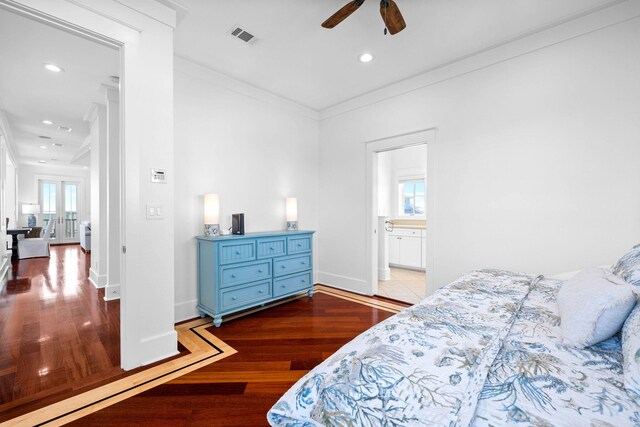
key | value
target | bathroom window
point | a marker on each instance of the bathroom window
(412, 197)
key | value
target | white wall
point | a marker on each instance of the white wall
(536, 162)
(393, 165)
(28, 176)
(251, 148)
(10, 195)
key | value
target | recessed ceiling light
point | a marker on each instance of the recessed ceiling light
(47, 122)
(54, 68)
(44, 137)
(64, 128)
(44, 147)
(42, 161)
(56, 144)
(365, 57)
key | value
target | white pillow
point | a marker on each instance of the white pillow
(631, 351)
(593, 306)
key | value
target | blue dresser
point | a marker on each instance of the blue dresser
(240, 272)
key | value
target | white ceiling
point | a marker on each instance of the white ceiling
(295, 58)
(318, 68)
(30, 94)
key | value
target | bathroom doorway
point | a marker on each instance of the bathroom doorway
(402, 217)
(400, 182)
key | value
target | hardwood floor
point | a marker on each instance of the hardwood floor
(59, 353)
(58, 337)
(274, 348)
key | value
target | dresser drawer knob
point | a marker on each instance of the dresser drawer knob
(260, 271)
(299, 245)
(302, 262)
(303, 281)
(237, 252)
(261, 292)
(233, 298)
(284, 286)
(233, 276)
(283, 266)
(272, 249)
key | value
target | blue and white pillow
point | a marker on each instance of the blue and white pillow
(631, 350)
(628, 267)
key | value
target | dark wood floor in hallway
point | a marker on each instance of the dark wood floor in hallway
(58, 337)
(275, 347)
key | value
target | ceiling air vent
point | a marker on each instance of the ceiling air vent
(243, 35)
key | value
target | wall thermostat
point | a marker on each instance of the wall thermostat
(158, 175)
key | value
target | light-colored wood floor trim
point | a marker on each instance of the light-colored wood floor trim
(204, 349)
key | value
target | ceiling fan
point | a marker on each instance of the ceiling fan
(393, 20)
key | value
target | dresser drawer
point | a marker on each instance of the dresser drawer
(298, 244)
(290, 284)
(231, 252)
(245, 295)
(272, 247)
(235, 274)
(282, 267)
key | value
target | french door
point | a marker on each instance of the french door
(59, 202)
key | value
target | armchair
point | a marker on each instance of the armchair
(85, 236)
(35, 247)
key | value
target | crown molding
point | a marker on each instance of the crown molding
(611, 14)
(193, 69)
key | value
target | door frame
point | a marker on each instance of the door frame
(372, 148)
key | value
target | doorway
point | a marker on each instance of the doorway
(402, 223)
(59, 203)
(412, 211)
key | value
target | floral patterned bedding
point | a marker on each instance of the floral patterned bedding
(482, 351)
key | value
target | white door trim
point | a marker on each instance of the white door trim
(425, 136)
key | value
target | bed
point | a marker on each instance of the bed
(485, 350)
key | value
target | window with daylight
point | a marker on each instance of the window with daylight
(412, 197)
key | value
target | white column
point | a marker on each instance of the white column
(112, 98)
(97, 118)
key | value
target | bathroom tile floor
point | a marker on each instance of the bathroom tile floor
(405, 285)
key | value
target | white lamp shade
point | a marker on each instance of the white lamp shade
(292, 209)
(30, 209)
(211, 208)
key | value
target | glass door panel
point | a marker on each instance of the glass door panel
(70, 210)
(59, 201)
(49, 203)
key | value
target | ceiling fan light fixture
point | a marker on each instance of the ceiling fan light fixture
(365, 57)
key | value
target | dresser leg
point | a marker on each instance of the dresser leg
(217, 321)
(310, 292)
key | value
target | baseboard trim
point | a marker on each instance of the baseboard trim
(4, 268)
(99, 281)
(343, 282)
(111, 292)
(185, 310)
(159, 347)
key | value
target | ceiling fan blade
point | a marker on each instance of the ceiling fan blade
(391, 16)
(342, 14)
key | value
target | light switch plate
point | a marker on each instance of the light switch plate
(155, 211)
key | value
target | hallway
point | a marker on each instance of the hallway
(58, 337)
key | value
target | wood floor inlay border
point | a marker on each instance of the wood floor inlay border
(204, 347)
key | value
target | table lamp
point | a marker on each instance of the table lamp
(31, 210)
(292, 214)
(211, 214)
